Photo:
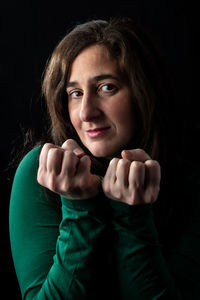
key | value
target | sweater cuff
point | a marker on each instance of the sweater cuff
(89, 204)
(120, 209)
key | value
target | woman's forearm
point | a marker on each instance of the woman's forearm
(141, 269)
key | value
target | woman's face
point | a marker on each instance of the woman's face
(99, 102)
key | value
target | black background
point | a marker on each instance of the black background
(30, 31)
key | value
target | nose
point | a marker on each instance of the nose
(89, 108)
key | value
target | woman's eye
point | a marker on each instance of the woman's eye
(75, 94)
(108, 87)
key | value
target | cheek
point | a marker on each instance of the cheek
(123, 115)
(74, 116)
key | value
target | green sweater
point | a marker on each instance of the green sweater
(96, 248)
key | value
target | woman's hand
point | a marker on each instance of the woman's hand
(134, 179)
(66, 170)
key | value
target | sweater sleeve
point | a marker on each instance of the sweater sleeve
(141, 269)
(55, 251)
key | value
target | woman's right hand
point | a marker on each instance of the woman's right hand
(66, 170)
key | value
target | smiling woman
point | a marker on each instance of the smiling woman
(99, 103)
(89, 214)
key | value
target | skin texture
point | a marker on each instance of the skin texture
(99, 101)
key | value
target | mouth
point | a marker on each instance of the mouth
(97, 132)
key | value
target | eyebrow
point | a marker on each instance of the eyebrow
(96, 78)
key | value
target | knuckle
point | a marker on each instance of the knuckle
(114, 161)
(48, 146)
(154, 167)
(65, 187)
(124, 162)
(69, 144)
(66, 144)
(137, 165)
(118, 194)
(69, 153)
(152, 163)
(83, 182)
(52, 151)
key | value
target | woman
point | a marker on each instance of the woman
(87, 219)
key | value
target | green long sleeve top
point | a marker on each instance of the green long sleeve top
(96, 248)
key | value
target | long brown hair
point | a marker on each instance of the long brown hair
(142, 69)
(140, 65)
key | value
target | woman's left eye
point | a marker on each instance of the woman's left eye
(108, 87)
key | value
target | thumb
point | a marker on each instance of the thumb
(72, 145)
(135, 154)
(126, 154)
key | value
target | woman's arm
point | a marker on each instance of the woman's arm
(142, 271)
(133, 183)
(56, 254)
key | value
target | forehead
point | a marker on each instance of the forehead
(93, 60)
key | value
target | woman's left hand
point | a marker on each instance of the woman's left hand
(134, 179)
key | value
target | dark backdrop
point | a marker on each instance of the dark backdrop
(31, 30)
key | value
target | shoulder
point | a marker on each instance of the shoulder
(27, 195)
(25, 179)
(30, 161)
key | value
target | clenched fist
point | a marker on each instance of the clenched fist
(134, 179)
(66, 170)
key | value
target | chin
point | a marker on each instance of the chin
(99, 153)
(102, 152)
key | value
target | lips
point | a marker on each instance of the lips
(97, 132)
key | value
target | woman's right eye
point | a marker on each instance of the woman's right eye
(75, 94)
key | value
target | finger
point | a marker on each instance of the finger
(72, 145)
(135, 155)
(42, 168)
(122, 172)
(136, 175)
(83, 166)
(153, 176)
(110, 177)
(44, 154)
(69, 164)
(153, 172)
(111, 171)
(54, 160)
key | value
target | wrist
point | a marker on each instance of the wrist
(119, 209)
